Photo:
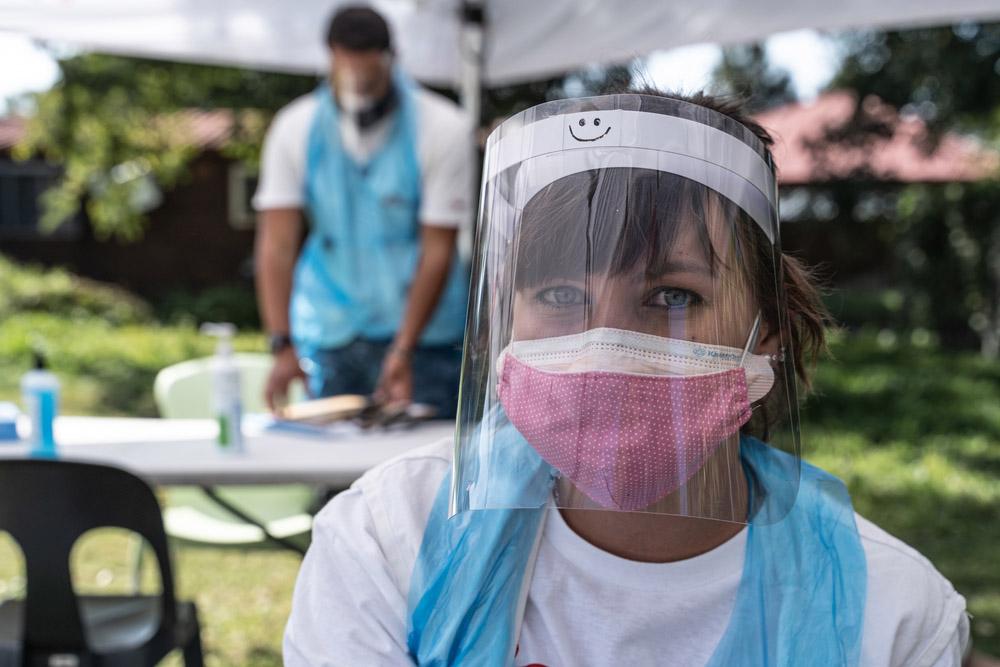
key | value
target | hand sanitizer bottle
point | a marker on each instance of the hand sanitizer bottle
(40, 392)
(226, 399)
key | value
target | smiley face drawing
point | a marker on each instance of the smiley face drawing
(583, 124)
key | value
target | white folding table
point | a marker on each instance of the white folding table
(183, 451)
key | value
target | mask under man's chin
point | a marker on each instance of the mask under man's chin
(355, 103)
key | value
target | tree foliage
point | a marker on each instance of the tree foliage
(746, 73)
(949, 76)
(945, 238)
(116, 126)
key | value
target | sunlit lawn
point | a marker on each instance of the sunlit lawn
(915, 433)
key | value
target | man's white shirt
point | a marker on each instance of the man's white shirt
(444, 154)
(585, 606)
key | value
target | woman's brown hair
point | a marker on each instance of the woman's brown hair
(808, 315)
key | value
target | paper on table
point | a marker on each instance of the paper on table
(255, 424)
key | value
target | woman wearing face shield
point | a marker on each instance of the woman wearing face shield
(625, 483)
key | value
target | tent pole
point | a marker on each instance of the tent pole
(470, 92)
(472, 59)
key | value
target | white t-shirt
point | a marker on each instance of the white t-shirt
(444, 153)
(585, 606)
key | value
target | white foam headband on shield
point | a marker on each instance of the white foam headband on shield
(563, 144)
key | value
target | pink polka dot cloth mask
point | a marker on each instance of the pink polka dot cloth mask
(628, 418)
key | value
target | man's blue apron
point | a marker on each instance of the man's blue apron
(800, 601)
(359, 259)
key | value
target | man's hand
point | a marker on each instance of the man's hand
(437, 245)
(286, 368)
(395, 384)
(279, 232)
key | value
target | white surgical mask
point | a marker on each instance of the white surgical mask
(348, 97)
(354, 103)
(623, 351)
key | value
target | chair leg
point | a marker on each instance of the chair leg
(192, 649)
(192, 652)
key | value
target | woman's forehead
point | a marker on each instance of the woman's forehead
(700, 245)
(619, 221)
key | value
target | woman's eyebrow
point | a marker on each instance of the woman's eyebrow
(679, 266)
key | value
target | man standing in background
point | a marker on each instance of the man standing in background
(374, 302)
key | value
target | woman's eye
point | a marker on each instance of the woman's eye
(561, 296)
(672, 297)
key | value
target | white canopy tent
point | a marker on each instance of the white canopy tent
(523, 39)
(457, 43)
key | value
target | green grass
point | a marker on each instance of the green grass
(103, 342)
(915, 433)
(104, 369)
(34, 289)
(913, 430)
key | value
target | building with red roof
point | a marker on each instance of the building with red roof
(896, 150)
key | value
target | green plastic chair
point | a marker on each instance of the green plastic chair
(183, 391)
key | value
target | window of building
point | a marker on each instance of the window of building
(242, 186)
(21, 186)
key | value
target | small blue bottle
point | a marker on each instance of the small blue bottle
(40, 391)
(8, 422)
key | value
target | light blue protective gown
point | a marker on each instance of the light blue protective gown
(355, 269)
(800, 601)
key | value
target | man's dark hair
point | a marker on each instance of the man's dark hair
(358, 28)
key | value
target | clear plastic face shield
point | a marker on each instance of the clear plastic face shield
(627, 325)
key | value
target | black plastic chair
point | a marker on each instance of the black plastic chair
(46, 506)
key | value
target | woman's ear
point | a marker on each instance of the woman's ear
(768, 340)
